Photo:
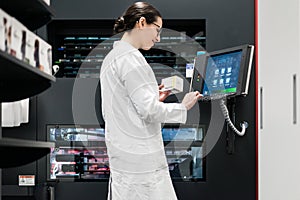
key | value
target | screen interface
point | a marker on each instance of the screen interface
(222, 73)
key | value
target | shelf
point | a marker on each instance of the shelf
(16, 152)
(32, 13)
(19, 80)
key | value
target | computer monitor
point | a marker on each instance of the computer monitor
(223, 73)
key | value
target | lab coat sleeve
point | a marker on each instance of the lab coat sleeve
(144, 95)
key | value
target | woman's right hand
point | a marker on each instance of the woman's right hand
(190, 99)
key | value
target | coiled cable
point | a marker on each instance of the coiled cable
(225, 112)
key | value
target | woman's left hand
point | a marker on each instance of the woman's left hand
(163, 94)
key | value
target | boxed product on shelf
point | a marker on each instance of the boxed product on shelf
(18, 41)
(45, 56)
(5, 31)
(38, 52)
(29, 49)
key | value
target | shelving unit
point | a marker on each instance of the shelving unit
(79, 53)
(80, 152)
(19, 80)
(15, 152)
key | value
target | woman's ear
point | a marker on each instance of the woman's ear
(141, 23)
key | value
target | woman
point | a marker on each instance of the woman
(133, 111)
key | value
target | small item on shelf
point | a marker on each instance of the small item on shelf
(18, 39)
(39, 53)
(45, 56)
(29, 51)
(5, 31)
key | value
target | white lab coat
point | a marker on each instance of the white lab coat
(133, 115)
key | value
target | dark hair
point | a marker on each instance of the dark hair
(133, 14)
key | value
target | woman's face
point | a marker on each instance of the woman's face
(151, 34)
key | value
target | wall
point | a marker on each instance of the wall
(229, 23)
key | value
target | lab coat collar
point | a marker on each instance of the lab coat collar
(123, 43)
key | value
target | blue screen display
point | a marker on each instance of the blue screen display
(182, 134)
(222, 73)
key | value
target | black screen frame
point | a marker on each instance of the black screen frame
(200, 66)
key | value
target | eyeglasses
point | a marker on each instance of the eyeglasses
(159, 29)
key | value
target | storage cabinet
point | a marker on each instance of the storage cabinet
(79, 46)
(80, 152)
(278, 100)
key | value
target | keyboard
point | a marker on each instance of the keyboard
(213, 97)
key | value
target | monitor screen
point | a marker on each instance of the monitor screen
(222, 72)
(225, 72)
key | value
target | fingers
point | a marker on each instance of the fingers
(198, 95)
(160, 86)
(190, 99)
(163, 95)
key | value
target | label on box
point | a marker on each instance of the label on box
(26, 180)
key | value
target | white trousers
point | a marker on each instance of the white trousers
(141, 186)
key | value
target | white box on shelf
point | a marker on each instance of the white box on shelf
(30, 50)
(39, 53)
(18, 42)
(173, 83)
(5, 31)
(45, 57)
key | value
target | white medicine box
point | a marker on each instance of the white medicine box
(45, 56)
(5, 31)
(173, 83)
(30, 50)
(39, 53)
(18, 42)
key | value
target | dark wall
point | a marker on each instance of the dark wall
(229, 176)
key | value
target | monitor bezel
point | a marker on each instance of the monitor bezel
(200, 66)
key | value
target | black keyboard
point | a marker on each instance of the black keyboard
(213, 97)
